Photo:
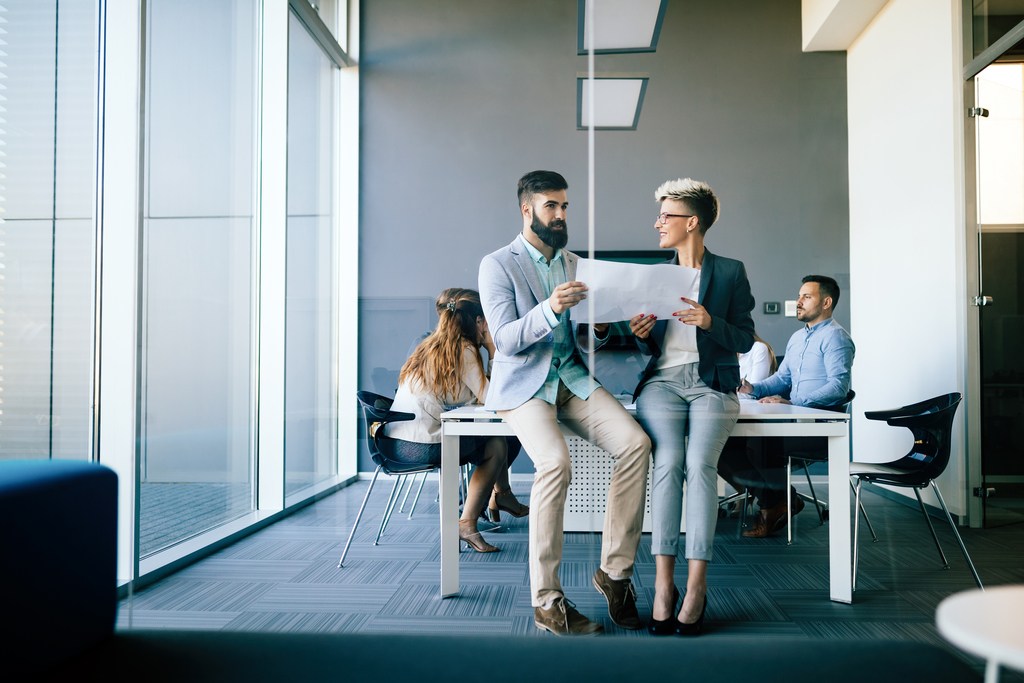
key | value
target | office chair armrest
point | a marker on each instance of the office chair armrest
(397, 416)
(886, 415)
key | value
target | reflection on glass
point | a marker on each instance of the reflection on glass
(310, 370)
(993, 19)
(1000, 90)
(1000, 142)
(47, 228)
(195, 400)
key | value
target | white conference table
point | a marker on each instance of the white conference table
(756, 419)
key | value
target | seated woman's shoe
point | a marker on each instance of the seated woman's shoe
(694, 629)
(665, 627)
(505, 500)
(473, 538)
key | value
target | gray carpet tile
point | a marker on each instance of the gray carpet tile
(790, 577)
(291, 622)
(324, 597)
(285, 577)
(739, 604)
(364, 572)
(178, 594)
(129, 618)
(421, 624)
(280, 549)
(225, 569)
(868, 606)
(473, 601)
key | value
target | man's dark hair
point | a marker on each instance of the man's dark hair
(535, 182)
(827, 285)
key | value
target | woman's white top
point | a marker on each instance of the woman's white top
(413, 397)
(680, 344)
(755, 365)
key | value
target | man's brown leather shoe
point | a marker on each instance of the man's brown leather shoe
(773, 519)
(562, 619)
(621, 600)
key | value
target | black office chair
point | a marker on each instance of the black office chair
(377, 413)
(931, 423)
(805, 459)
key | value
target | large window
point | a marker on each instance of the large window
(47, 236)
(196, 388)
(170, 184)
(310, 339)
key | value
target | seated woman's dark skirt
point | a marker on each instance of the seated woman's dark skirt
(471, 450)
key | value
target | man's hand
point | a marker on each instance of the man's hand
(567, 295)
(745, 387)
(698, 315)
(774, 399)
(641, 325)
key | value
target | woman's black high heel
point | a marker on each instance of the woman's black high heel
(665, 627)
(696, 627)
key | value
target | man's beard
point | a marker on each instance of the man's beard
(549, 236)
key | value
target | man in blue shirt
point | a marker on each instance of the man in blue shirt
(814, 372)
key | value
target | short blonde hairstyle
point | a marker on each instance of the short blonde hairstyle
(696, 194)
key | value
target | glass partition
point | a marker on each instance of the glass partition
(993, 19)
(47, 232)
(196, 389)
(310, 341)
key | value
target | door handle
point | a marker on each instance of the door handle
(983, 300)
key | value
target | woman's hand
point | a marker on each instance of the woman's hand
(698, 315)
(641, 325)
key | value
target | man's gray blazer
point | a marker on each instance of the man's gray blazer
(511, 293)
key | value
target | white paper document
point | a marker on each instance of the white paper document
(619, 291)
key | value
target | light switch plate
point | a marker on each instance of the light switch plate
(791, 309)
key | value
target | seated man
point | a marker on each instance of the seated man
(528, 290)
(815, 372)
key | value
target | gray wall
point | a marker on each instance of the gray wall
(461, 98)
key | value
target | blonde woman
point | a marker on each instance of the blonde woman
(445, 371)
(686, 399)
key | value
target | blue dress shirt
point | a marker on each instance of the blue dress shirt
(815, 371)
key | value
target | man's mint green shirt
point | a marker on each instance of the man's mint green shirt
(565, 364)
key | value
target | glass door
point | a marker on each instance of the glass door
(999, 114)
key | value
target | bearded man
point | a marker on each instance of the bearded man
(539, 379)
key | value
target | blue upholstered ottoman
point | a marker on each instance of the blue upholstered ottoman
(58, 569)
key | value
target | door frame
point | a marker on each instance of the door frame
(974, 66)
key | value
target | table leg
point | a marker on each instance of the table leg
(449, 503)
(992, 671)
(839, 548)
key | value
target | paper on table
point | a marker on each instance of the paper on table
(619, 291)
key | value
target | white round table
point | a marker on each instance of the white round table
(989, 624)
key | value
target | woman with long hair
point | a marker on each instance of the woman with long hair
(445, 371)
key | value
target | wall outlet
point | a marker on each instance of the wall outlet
(791, 309)
(771, 307)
